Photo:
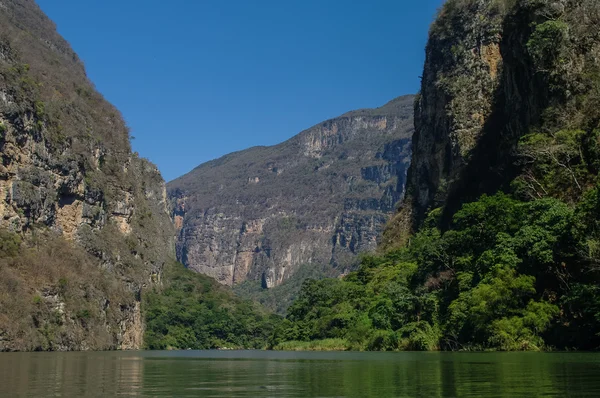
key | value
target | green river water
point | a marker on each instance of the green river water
(302, 374)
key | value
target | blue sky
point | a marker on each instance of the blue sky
(197, 79)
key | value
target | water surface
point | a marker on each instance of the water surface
(287, 374)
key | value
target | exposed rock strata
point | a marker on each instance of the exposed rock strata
(320, 198)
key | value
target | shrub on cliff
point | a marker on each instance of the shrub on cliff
(54, 296)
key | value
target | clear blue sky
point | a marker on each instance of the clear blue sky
(196, 79)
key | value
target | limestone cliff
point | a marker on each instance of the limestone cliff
(495, 71)
(67, 173)
(320, 198)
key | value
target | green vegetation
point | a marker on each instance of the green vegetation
(561, 165)
(279, 298)
(507, 275)
(517, 270)
(194, 311)
(10, 244)
(547, 43)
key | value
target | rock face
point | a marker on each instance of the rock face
(319, 198)
(67, 167)
(495, 71)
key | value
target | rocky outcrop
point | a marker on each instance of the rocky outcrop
(495, 71)
(67, 168)
(320, 198)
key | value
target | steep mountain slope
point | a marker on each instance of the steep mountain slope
(497, 244)
(319, 198)
(85, 221)
(87, 259)
(495, 72)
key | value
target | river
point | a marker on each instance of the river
(298, 374)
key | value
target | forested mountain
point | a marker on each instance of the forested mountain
(496, 243)
(308, 205)
(85, 230)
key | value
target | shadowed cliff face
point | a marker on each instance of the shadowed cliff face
(320, 198)
(67, 173)
(495, 71)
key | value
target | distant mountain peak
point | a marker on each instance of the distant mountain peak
(319, 198)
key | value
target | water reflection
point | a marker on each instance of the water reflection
(70, 374)
(255, 373)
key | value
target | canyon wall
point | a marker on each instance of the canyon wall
(319, 198)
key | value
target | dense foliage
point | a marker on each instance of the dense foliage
(277, 299)
(194, 311)
(508, 275)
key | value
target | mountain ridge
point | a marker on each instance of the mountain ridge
(383, 110)
(314, 169)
